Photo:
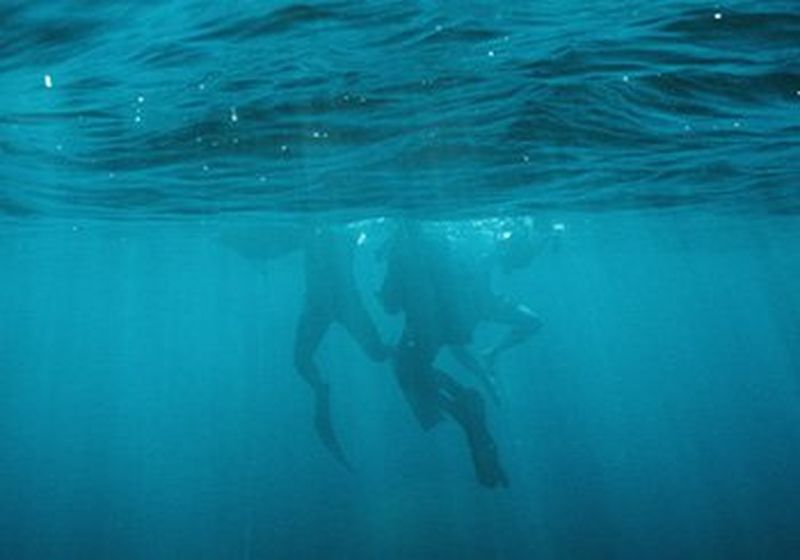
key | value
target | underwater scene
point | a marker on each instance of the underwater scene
(399, 280)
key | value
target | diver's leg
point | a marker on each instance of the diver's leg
(467, 408)
(356, 319)
(472, 364)
(431, 392)
(413, 368)
(523, 323)
(311, 328)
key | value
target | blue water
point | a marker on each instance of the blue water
(149, 403)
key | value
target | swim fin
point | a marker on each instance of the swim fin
(481, 444)
(323, 424)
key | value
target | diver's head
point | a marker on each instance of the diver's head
(516, 247)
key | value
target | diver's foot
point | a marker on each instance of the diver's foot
(481, 444)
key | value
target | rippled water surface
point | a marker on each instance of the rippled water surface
(179, 108)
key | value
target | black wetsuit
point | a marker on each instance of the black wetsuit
(425, 281)
(331, 296)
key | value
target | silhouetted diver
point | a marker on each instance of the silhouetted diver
(424, 283)
(513, 249)
(331, 296)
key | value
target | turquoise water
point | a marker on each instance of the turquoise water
(154, 156)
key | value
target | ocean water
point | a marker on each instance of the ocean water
(160, 163)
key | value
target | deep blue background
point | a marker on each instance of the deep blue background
(150, 409)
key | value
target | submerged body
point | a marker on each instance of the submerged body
(331, 296)
(442, 286)
(422, 281)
